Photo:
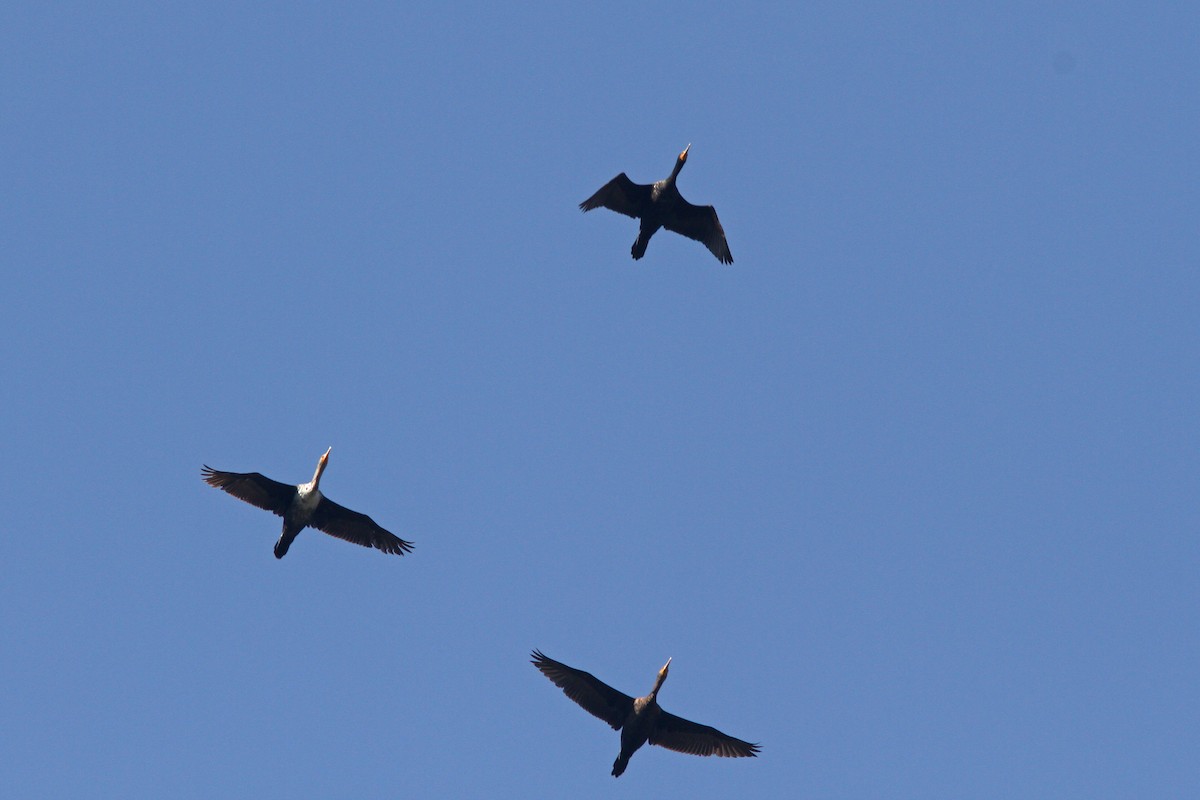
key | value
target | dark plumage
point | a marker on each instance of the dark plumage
(304, 505)
(660, 205)
(640, 720)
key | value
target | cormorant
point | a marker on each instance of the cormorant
(660, 205)
(640, 720)
(304, 505)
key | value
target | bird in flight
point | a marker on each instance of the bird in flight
(304, 505)
(640, 720)
(659, 205)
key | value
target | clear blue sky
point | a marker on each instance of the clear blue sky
(909, 492)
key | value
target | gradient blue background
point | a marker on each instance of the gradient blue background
(908, 492)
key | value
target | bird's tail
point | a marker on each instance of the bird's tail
(645, 231)
(285, 541)
(639, 245)
(619, 765)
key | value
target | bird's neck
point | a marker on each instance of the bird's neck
(317, 475)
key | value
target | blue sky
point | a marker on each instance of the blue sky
(908, 492)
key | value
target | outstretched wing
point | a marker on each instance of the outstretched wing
(621, 195)
(684, 736)
(252, 487)
(594, 695)
(339, 521)
(700, 223)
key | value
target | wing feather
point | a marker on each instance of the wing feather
(700, 223)
(684, 736)
(621, 195)
(351, 526)
(252, 487)
(592, 694)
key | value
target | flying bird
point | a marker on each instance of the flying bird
(304, 505)
(659, 205)
(640, 720)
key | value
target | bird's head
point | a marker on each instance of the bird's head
(662, 676)
(321, 462)
(683, 155)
